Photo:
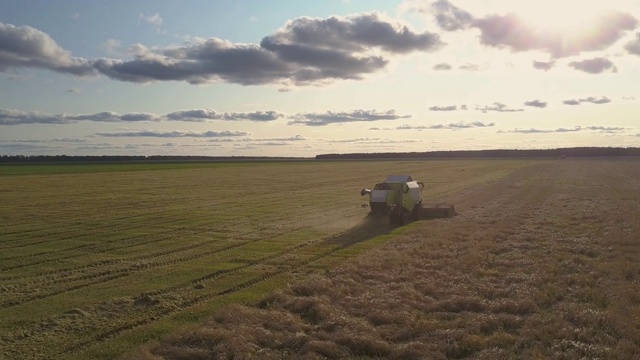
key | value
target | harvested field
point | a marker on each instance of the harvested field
(540, 264)
(98, 259)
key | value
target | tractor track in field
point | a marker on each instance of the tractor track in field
(100, 247)
(84, 233)
(87, 233)
(150, 318)
(153, 315)
(53, 230)
(94, 246)
(110, 274)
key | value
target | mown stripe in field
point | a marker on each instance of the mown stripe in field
(51, 286)
(105, 335)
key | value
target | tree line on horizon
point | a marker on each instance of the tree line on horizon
(547, 153)
(534, 153)
(126, 158)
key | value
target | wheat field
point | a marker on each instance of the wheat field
(97, 259)
(540, 264)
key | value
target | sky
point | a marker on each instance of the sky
(294, 78)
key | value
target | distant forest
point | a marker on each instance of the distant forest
(125, 158)
(549, 153)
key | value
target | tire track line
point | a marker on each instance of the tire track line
(150, 318)
(112, 274)
(97, 230)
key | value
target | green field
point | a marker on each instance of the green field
(97, 259)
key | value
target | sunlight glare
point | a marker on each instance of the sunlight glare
(560, 15)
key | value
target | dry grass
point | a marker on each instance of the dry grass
(540, 265)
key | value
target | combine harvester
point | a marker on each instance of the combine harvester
(400, 198)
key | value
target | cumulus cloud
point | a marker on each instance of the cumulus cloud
(633, 47)
(536, 103)
(442, 67)
(444, 108)
(24, 46)
(175, 134)
(595, 100)
(594, 66)
(590, 99)
(200, 115)
(514, 33)
(497, 107)
(110, 116)
(352, 34)
(304, 51)
(572, 102)
(450, 17)
(339, 117)
(542, 65)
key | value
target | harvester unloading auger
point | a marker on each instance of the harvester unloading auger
(400, 198)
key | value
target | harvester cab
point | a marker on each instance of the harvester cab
(400, 198)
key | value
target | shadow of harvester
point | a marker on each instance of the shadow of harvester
(366, 229)
(376, 225)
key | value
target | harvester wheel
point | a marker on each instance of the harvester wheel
(416, 214)
(406, 217)
(395, 217)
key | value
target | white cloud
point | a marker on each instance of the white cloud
(24, 46)
(152, 19)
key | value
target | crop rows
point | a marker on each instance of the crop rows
(82, 264)
(541, 264)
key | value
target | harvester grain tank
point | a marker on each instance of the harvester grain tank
(400, 198)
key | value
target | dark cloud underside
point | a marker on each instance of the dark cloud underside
(594, 66)
(17, 117)
(633, 47)
(176, 134)
(333, 117)
(536, 103)
(449, 17)
(304, 51)
(590, 99)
